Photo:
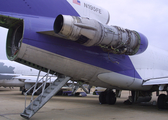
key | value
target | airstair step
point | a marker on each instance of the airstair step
(56, 84)
(36, 103)
(52, 87)
(26, 116)
(28, 111)
(45, 94)
(48, 90)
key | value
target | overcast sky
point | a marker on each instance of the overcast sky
(149, 17)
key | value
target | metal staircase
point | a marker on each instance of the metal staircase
(44, 97)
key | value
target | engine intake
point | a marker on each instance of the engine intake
(89, 32)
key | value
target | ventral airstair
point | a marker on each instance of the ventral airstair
(46, 94)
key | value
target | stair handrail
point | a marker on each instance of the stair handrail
(45, 82)
(43, 86)
(34, 86)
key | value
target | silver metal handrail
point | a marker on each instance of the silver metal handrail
(35, 85)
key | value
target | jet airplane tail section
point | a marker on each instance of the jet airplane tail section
(71, 37)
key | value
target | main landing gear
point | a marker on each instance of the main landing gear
(162, 101)
(138, 97)
(107, 97)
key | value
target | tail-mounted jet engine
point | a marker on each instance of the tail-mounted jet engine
(90, 32)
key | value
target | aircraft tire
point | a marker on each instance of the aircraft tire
(102, 97)
(110, 98)
(161, 101)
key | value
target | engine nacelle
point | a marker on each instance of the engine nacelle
(90, 32)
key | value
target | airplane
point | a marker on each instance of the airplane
(73, 39)
(11, 71)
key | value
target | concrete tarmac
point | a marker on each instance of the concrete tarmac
(78, 108)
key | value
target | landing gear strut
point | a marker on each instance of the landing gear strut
(107, 97)
(131, 99)
(138, 97)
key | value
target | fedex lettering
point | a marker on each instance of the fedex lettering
(93, 8)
